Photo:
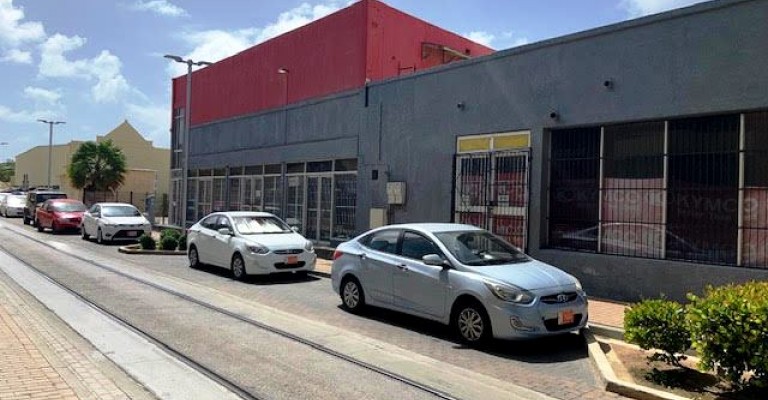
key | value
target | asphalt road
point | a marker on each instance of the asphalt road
(558, 367)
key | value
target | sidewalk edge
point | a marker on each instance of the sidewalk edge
(615, 385)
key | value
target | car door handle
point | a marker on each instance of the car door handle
(403, 268)
(362, 256)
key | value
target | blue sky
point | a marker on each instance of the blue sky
(94, 63)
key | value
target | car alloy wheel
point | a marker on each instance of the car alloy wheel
(238, 267)
(352, 296)
(472, 324)
(194, 260)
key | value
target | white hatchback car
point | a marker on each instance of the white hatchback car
(248, 243)
(113, 222)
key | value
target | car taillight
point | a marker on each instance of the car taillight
(337, 254)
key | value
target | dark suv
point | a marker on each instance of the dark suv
(35, 199)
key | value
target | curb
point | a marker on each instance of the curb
(606, 331)
(134, 249)
(612, 384)
(320, 274)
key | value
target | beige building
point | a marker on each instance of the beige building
(148, 167)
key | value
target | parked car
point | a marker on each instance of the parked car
(459, 275)
(60, 214)
(249, 243)
(114, 222)
(34, 199)
(12, 205)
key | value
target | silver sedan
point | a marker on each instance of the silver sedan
(459, 275)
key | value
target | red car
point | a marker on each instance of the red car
(60, 214)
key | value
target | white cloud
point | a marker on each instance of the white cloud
(104, 69)
(214, 45)
(152, 121)
(639, 8)
(17, 56)
(13, 32)
(161, 7)
(42, 95)
(484, 38)
(26, 116)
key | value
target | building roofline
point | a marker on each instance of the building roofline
(699, 8)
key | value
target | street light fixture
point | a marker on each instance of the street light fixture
(185, 135)
(50, 143)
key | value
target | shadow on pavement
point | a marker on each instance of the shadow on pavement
(282, 278)
(553, 349)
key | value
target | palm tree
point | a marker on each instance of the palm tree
(97, 167)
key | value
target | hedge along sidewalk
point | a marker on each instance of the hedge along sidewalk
(136, 249)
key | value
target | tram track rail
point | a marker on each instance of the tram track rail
(230, 385)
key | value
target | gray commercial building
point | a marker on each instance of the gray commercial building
(634, 156)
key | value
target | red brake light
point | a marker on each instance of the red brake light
(337, 254)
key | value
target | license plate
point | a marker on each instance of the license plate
(292, 260)
(565, 317)
(133, 233)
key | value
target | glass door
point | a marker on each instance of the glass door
(319, 208)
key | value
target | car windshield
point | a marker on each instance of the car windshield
(16, 201)
(41, 197)
(254, 225)
(480, 248)
(68, 207)
(119, 211)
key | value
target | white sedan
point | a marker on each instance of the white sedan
(248, 243)
(114, 222)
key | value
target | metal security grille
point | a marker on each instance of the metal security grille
(491, 191)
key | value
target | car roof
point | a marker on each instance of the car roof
(435, 227)
(114, 204)
(64, 201)
(242, 214)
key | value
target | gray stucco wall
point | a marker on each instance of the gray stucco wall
(704, 60)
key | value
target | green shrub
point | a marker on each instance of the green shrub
(147, 242)
(729, 328)
(183, 242)
(658, 325)
(169, 233)
(169, 243)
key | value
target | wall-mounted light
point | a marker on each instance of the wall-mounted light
(282, 71)
(461, 105)
(608, 84)
(554, 116)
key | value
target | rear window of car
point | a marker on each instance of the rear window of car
(41, 197)
(68, 207)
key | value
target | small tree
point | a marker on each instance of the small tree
(97, 167)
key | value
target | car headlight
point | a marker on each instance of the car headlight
(578, 284)
(309, 246)
(257, 249)
(510, 293)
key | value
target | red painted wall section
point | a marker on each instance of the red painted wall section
(395, 42)
(337, 53)
(323, 57)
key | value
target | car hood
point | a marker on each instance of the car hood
(125, 220)
(529, 275)
(277, 241)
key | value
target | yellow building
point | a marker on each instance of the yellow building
(148, 167)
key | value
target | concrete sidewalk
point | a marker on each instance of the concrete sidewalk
(606, 318)
(42, 358)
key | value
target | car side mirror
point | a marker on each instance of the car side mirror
(435, 260)
(295, 229)
(226, 232)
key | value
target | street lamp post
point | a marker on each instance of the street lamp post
(50, 144)
(185, 135)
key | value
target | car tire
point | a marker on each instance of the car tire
(472, 324)
(39, 227)
(54, 229)
(26, 220)
(99, 237)
(301, 274)
(83, 234)
(352, 295)
(194, 258)
(238, 268)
